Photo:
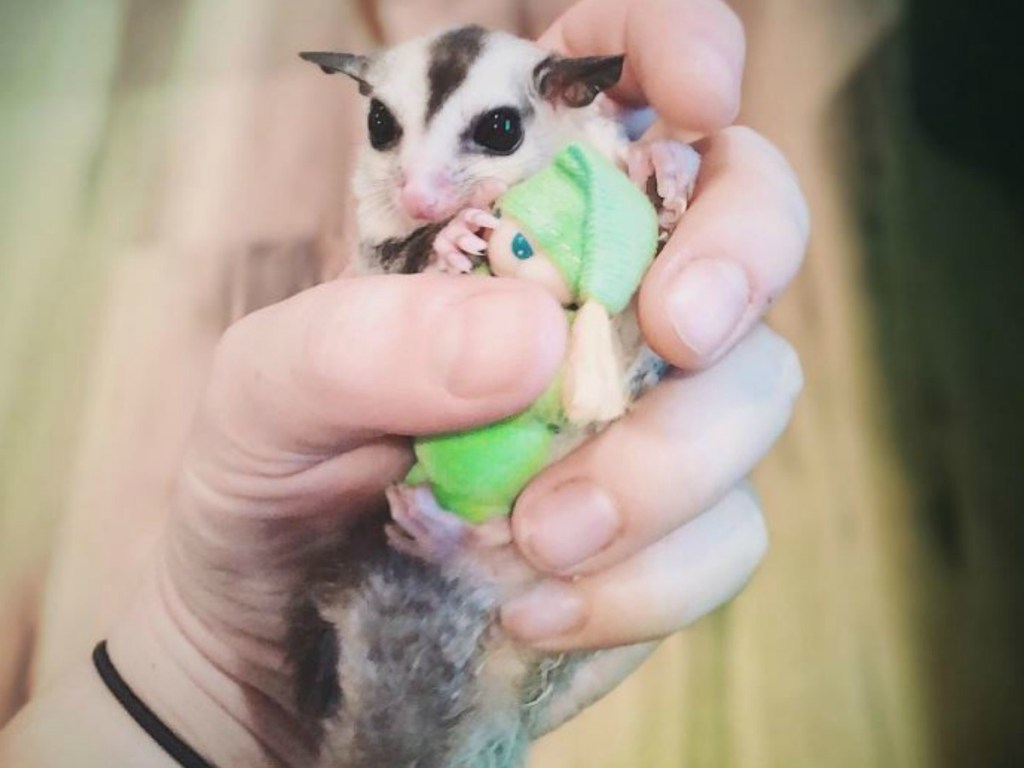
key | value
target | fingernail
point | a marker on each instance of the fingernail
(494, 340)
(563, 528)
(706, 303)
(551, 609)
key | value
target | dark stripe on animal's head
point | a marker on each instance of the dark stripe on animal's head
(451, 56)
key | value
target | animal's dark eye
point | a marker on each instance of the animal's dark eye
(499, 131)
(384, 129)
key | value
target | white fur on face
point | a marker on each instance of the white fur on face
(438, 151)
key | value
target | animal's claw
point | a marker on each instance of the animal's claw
(472, 244)
(459, 242)
(421, 528)
(480, 218)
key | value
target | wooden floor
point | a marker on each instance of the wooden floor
(167, 165)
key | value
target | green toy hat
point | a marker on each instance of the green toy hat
(597, 227)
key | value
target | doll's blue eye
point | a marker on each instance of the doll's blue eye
(521, 247)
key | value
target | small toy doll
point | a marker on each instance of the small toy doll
(580, 228)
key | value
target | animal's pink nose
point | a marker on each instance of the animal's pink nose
(420, 202)
(429, 200)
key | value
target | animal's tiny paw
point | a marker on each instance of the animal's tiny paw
(674, 167)
(456, 245)
(421, 528)
(447, 257)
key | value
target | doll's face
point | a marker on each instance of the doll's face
(511, 253)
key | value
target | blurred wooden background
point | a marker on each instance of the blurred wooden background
(169, 164)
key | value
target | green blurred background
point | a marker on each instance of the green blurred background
(143, 141)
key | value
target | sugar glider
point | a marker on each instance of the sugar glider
(398, 657)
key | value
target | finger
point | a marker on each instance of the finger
(736, 248)
(667, 586)
(407, 355)
(683, 57)
(683, 446)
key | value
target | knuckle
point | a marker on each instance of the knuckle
(743, 136)
(791, 374)
(322, 334)
(781, 176)
(762, 167)
(760, 539)
(753, 527)
(229, 355)
(756, 147)
(787, 228)
(704, 93)
(721, 91)
(776, 354)
(732, 26)
(799, 215)
(315, 360)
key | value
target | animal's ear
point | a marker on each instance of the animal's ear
(576, 82)
(347, 63)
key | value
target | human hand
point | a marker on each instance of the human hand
(652, 520)
(296, 438)
(297, 434)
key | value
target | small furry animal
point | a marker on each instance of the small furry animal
(453, 119)
(398, 655)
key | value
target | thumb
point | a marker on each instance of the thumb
(345, 365)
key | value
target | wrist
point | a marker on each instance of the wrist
(223, 706)
(76, 721)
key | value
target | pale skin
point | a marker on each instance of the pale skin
(299, 429)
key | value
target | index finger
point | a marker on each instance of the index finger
(683, 57)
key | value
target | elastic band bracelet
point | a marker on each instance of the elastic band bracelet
(168, 740)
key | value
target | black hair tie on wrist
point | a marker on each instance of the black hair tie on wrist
(171, 743)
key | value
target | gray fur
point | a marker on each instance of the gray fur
(413, 642)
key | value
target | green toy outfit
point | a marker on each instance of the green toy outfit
(477, 474)
(601, 232)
